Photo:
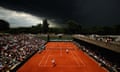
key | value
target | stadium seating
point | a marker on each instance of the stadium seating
(16, 48)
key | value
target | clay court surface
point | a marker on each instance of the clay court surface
(73, 61)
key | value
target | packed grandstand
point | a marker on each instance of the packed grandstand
(112, 67)
(16, 48)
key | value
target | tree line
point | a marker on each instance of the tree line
(72, 28)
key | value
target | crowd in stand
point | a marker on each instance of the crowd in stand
(107, 39)
(100, 59)
(100, 38)
(16, 48)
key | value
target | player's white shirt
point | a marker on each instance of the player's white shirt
(66, 50)
(53, 61)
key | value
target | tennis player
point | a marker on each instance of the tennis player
(67, 51)
(53, 62)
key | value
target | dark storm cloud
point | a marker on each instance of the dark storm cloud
(56, 8)
(98, 11)
(93, 12)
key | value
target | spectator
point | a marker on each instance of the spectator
(16, 48)
(101, 60)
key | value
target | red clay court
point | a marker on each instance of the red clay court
(73, 61)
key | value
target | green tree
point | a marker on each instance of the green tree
(4, 25)
(73, 27)
(107, 30)
(116, 29)
(38, 28)
(45, 27)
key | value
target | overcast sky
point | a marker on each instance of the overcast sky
(85, 12)
(18, 19)
(22, 19)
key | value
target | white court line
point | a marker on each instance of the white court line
(62, 66)
(75, 59)
(60, 51)
(59, 47)
(47, 59)
(79, 59)
(42, 58)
